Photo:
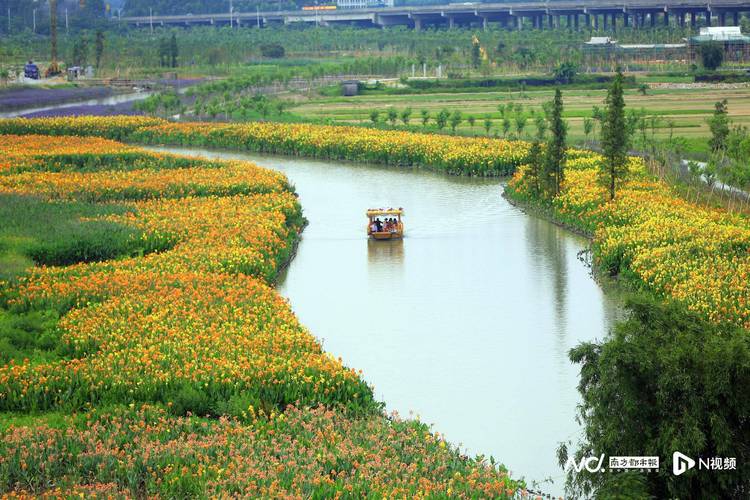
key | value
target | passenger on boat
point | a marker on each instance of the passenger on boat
(373, 227)
(378, 225)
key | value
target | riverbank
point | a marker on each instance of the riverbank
(151, 348)
(653, 238)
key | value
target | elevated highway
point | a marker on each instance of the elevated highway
(513, 15)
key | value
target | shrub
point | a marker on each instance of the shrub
(272, 50)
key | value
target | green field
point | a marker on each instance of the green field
(685, 109)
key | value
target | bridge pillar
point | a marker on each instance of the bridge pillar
(550, 21)
(417, 24)
(575, 22)
(652, 16)
(485, 23)
(736, 16)
(722, 18)
(519, 22)
(606, 21)
(587, 20)
(451, 22)
(596, 22)
(625, 19)
(708, 18)
(666, 19)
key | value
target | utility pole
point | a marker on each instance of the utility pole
(9, 20)
(34, 21)
(231, 20)
(257, 16)
(67, 31)
(151, 19)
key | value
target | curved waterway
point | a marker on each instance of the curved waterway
(466, 323)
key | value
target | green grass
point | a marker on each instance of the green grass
(55, 420)
(29, 335)
(36, 231)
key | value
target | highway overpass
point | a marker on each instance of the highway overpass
(514, 15)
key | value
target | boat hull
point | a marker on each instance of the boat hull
(383, 235)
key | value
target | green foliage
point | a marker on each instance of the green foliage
(455, 120)
(80, 51)
(442, 118)
(588, 127)
(487, 124)
(272, 50)
(554, 159)
(712, 55)
(29, 335)
(99, 47)
(665, 381)
(615, 137)
(425, 114)
(535, 165)
(62, 233)
(173, 50)
(521, 121)
(476, 57)
(392, 115)
(719, 126)
(374, 116)
(565, 72)
(406, 116)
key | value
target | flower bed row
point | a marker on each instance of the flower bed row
(451, 154)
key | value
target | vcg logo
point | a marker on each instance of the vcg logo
(591, 464)
(681, 463)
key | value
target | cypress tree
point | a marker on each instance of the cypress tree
(555, 151)
(534, 169)
(173, 50)
(614, 136)
(719, 125)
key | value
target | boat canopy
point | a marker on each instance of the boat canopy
(378, 212)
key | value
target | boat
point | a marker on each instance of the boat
(377, 227)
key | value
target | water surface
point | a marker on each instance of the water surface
(467, 322)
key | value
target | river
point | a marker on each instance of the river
(465, 323)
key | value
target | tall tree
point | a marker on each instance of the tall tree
(99, 46)
(173, 50)
(614, 136)
(476, 52)
(534, 167)
(555, 152)
(719, 126)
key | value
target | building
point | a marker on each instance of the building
(603, 51)
(736, 45)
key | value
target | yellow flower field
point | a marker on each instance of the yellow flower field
(150, 344)
(697, 255)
